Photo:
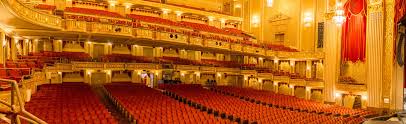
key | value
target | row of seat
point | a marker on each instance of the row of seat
(93, 12)
(45, 7)
(145, 105)
(230, 106)
(167, 60)
(68, 103)
(269, 97)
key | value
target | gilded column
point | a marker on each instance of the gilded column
(35, 46)
(388, 63)
(25, 47)
(309, 69)
(2, 47)
(374, 54)
(13, 49)
(332, 60)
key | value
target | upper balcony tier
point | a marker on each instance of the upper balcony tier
(145, 30)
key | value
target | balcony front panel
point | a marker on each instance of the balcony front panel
(187, 67)
(285, 79)
(196, 41)
(236, 47)
(74, 25)
(115, 66)
(111, 29)
(270, 53)
(143, 66)
(297, 82)
(249, 49)
(88, 65)
(172, 37)
(143, 33)
(35, 16)
(232, 70)
(260, 51)
(207, 69)
(217, 44)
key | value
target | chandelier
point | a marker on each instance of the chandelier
(339, 17)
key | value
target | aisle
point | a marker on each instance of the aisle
(116, 114)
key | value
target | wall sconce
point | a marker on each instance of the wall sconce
(276, 60)
(197, 74)
(211, 18)
(112, 2)
(108, 72)
(178, 13)
(60, 73)
(89, 72)
(260, 80)
(165, 11)
(275, 83)
(308, 88)
(338, 95)
(139, 72)
(109, 43)
(269, 3)
(364, 97)
(128, 5)
(307, 20)
(292, 86)
(237, 5)
(157, 73)
(223, 21)
(308, 68)
(219, 74)
(88, 42)
(255, 21)
(245, 78)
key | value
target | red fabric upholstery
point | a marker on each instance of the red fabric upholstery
(291, 101)
(149, 106)
(68, 103)
(93, 12)
(252, 112)
(45, 7)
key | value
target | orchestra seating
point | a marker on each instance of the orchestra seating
(290, 101)
(149, 106)
(243, 111)
(68, 103)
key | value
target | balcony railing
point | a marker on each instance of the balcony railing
(35, 16)
(146, 33)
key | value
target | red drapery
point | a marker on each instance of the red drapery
(400, 10)
(354, 31)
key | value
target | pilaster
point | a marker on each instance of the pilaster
(374, 54)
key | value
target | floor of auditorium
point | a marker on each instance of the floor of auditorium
(124, 103)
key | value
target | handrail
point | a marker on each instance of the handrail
(32, 15)
(20, 113)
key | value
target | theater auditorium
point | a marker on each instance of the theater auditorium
(202, 61)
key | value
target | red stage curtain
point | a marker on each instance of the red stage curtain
(400, 10)
(354, 31)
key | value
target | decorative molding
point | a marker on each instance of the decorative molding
(375, 7)
(388, 51)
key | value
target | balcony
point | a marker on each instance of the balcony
(32, 15)
(172, 37)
